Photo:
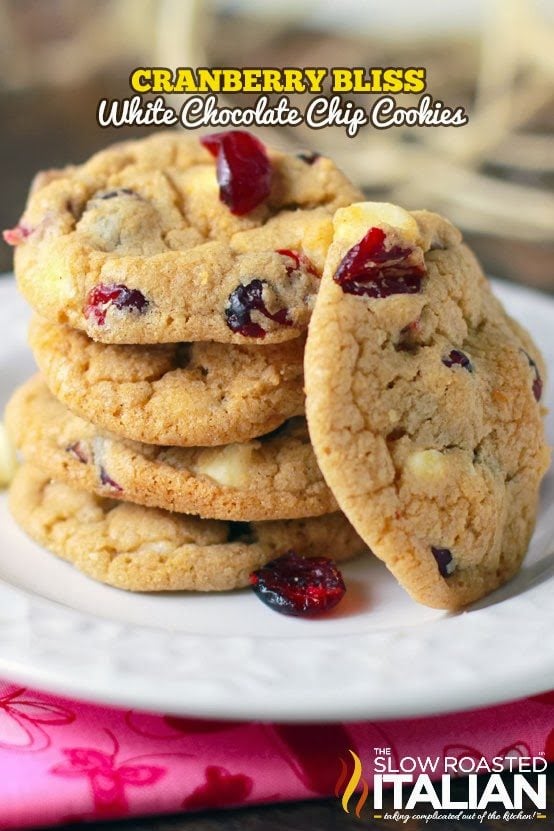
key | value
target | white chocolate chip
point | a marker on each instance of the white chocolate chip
(204, 181)
(228, 466)
(8, 461)
(155, 547)
(352, 223)
(426, 464)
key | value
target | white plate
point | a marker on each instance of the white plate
(380, 656)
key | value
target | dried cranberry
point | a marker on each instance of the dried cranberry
(101, 297)
(299, 586)
(110, 194)
(445, 561)
(371, 269)
(107, 480)
(457, 357)
(17, 235)
(242, 302)
(243, 169)
(77, 449)
(309, 158)
(537, 382)
(301, 262)
(409, 339)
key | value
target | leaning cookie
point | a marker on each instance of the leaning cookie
(172, 394)
(275, 477)
(423, 403)
(171, 238)
(145, 549)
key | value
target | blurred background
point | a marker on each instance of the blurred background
(493, 177)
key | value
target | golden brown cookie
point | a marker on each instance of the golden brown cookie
(423, 403)
(145, 549)
(275, 477)
(172, 394)
(137, 245)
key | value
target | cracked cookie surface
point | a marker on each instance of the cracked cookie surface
(196, 394)
(423, 403)
(136, 246)
(146, 549)
(275, 477)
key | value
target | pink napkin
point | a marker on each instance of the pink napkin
(63, 761)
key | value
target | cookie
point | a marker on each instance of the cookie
(172, 394)
(8, 461)
(423, 404)
(145, 549)
(138, 246)
(275, 477)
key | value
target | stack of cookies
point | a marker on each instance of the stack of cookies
(165, 442)
(186, 290)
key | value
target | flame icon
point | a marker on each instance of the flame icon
(352, 784)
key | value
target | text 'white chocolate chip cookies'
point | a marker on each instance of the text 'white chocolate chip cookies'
(423, 404)
(179, 394)
(273, 477)
(145, 549)
(175, 238)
